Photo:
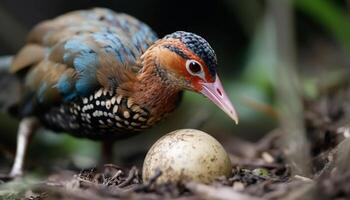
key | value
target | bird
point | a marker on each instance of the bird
(104, 75)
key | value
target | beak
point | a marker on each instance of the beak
(216, 93)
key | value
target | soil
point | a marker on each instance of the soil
(261, 170)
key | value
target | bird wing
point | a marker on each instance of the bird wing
(76, 53)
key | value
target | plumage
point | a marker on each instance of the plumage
(104, 75)
(78, 55)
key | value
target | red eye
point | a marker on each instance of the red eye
(194, 67)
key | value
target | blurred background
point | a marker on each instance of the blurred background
(253, 40)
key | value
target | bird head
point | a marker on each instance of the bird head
(188, 61)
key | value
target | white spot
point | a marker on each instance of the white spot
(105, 114)
(100, 113)
(85, 100)
(97, 103)
(129, 103)
(136, 116)
(113, 100)
(126, 114)
(115, 109)
(101, 122)
(108, 104)
(98, 93)
(103, 103)
(104, 92)
(119, 99)
(110, 115)
(109, 121)
(91, 97)
(136, 108)
(117, 118)
(73, 125)
(142, 119)
(135, 124)
(119, 125)
(126, 122)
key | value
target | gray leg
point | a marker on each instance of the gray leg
(26, 129)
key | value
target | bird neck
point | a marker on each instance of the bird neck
(154, 88)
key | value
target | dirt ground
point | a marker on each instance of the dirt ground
(260, 171)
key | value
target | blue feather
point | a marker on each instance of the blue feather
(65, 86)
(114, 44)
(74, 46)
(143, 37)
(41, 92)
(85, 63)
(70, 97)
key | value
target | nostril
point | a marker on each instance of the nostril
(219, 91)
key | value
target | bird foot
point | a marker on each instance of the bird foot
(8, 177)
(11, 176)
(16, 174)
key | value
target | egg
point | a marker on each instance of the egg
(186, 155)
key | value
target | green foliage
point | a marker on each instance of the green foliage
(328, 14)
(15, 189)
(261, 172)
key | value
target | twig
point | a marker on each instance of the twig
(293, 190)
(112, 166)
(288, 90)
(130, 177)
(114, 177)
(304, 179)
(261, 107)
(147, 185)
(342, 156)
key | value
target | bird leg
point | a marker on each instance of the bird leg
(107, 151)
(26, 129)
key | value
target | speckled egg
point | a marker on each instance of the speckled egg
(186, 155)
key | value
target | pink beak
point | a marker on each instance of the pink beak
(216, 93)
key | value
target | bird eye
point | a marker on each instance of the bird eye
(193, 67)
